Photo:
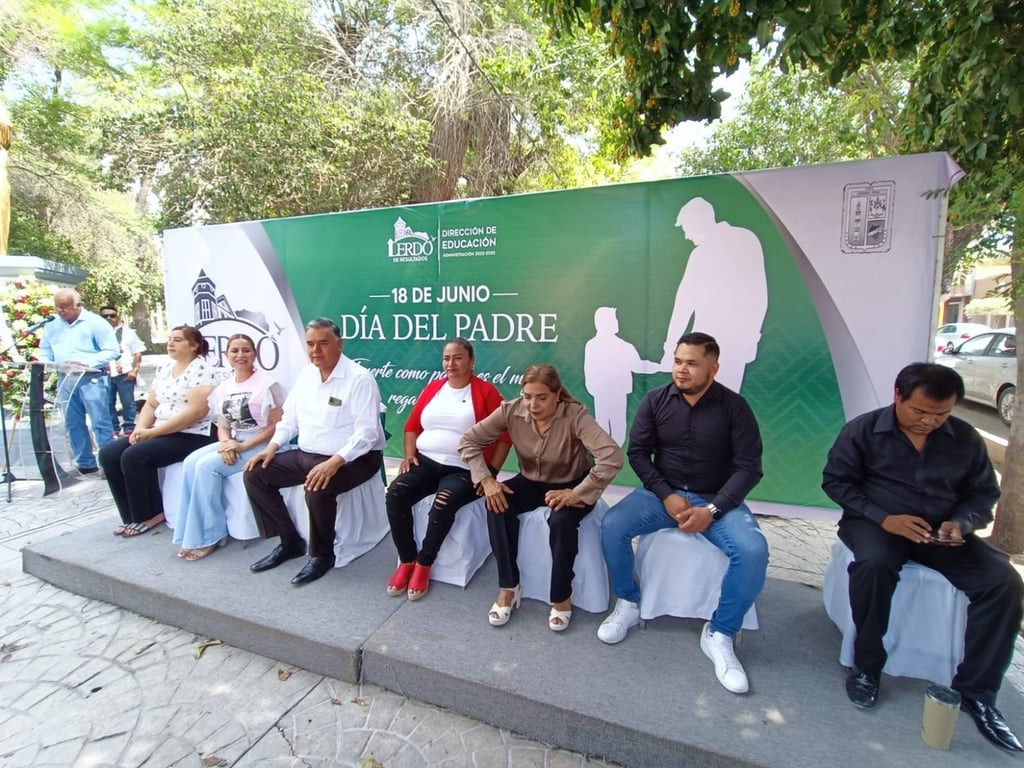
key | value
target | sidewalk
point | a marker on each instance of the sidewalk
(87, 683)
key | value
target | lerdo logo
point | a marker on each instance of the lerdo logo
(409, 245)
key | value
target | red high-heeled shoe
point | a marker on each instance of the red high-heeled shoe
(400, 579)
(419, 582)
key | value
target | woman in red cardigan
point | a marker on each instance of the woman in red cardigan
(445, 409)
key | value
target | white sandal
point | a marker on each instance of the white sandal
(563, 617)
(500, 614)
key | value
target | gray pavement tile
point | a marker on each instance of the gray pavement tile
(86, 683)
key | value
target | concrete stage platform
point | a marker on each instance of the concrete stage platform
(650, 701)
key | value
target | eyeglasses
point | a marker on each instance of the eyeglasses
(107, 315)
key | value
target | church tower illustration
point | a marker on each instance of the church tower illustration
(208, 305)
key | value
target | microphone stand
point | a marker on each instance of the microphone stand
(8, 475)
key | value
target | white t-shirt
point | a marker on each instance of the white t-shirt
(172, 393)
(444, 420)
(244, 407)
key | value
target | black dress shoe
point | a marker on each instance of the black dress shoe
(862, 689)
(991, 724)
(313, 570)
(278, 555)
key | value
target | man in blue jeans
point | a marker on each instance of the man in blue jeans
(80, 338)
(696, 447)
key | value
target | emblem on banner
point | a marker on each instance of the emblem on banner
(867, 216)
(218, 321)
(408, 244)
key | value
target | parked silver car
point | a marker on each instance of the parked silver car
(951, 335)
(988, 365)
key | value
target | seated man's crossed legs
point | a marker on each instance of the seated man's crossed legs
(290, 468)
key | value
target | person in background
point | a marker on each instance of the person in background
(914, 483)
(79, 338)
(565, 462)
(246, 407)
(124, 372)
(444, 410)
(174, 422)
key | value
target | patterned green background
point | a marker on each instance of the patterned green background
(569, 253)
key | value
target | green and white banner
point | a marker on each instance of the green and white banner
(818, 282)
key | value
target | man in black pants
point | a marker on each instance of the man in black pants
(334, 411)
(914, 483)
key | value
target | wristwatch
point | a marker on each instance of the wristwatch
(716, 513)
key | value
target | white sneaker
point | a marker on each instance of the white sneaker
(625, 616)
(728, 670)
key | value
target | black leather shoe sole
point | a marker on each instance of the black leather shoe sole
(991, 725)
(862, 689)
(275, 558)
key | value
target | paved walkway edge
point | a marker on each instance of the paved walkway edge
(650, 701)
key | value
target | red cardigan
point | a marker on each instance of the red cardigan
(486, 399)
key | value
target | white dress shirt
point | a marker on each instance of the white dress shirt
(339, 416)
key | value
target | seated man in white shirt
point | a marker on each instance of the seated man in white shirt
(334, 409)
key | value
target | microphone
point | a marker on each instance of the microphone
(36, 326)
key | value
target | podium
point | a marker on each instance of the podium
(46, 424)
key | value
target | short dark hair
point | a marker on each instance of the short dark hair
(938, 382)
(324, 322)
(698, 339)
(108, 308)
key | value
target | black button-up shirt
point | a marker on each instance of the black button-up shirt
(712, 448)
(874, 471)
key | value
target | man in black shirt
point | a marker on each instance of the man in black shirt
(914, 483)
(696, 447)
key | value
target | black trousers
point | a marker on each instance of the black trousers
(977, 568)
(453, 488)
(263, 486)
(131, 471)
(563, 537)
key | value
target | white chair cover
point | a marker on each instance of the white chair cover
(590, 586)
(668, 565)
(465, 547)
(362, 517)
(925, 639)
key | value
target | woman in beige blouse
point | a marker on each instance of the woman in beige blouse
(565, 462)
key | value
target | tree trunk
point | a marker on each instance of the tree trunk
(1008, 532)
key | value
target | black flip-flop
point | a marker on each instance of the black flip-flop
(137, 529)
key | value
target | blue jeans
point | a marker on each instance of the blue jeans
(201, 518)
(124, 388)
(736, 534)
(90, 396)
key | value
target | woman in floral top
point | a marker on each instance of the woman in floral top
(174, 422)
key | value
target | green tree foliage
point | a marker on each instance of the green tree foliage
(51, 53)
(797, 118)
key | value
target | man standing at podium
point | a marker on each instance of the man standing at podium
(81, 338)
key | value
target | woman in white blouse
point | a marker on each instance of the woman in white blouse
(174, 422)
(247, 407)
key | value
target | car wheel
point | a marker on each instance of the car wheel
(1005, 404)
(949, 346)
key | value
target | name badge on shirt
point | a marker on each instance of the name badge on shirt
(334, 401)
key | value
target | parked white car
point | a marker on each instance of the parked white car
(988, 365)
(951, 335)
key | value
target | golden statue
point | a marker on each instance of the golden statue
(5, 182)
